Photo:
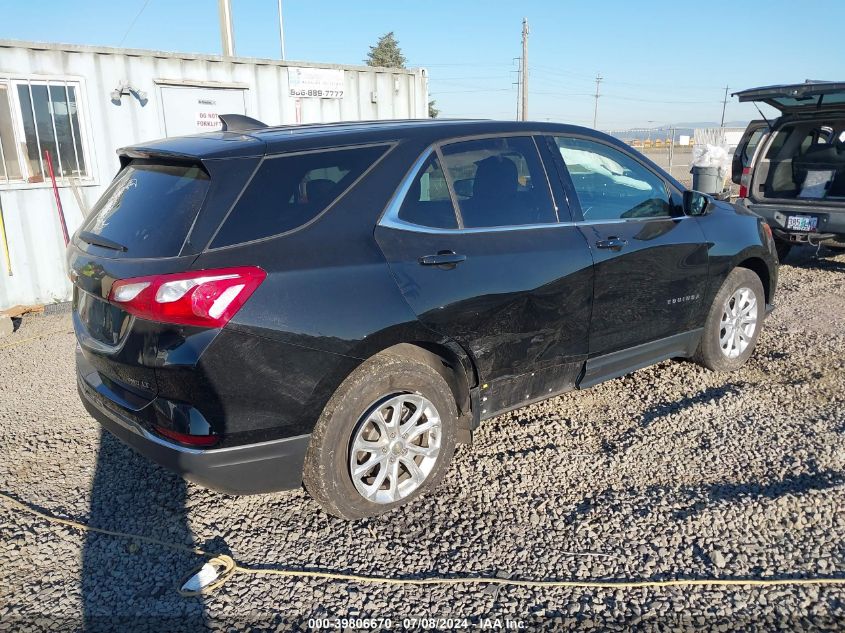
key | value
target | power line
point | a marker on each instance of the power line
(456, 92)
(132, 24)
(476, 64)
(435, 78)
(621, 98)
(590, 79)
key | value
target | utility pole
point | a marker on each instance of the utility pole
(524, 68)
(724, 105)
(227, 34)
(281, 30)
(596, 109)
(518, 83)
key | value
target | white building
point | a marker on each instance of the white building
(79, 104)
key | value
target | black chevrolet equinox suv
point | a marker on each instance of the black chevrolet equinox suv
(338, 305)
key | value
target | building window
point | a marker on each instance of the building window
(38, 117)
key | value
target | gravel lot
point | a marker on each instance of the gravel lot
(671, 472)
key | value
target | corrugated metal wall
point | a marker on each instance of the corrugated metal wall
(34, 234)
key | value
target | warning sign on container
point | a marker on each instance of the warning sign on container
(208, 121)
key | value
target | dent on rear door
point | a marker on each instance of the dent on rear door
(519, 304)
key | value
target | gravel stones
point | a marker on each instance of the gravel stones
(674, 471)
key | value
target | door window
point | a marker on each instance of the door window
(427, 202)
(610, 184)
(499, 182)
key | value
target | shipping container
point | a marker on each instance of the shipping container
(81, 103)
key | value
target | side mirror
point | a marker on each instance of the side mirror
(696, 203)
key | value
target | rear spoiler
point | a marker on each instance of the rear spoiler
(239, 122)
(128, 154)
(200, 147)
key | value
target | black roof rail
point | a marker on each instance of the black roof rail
(239, 122)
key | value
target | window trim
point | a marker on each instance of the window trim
(12, 81)
(390, 216)
(389, 145)
(569, 186)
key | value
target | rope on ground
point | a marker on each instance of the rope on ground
(35, 338)
(226, 567)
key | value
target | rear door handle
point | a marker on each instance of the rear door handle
(444, 259)
(613, 243)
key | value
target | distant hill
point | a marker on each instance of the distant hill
(711, 124)
(681, 129)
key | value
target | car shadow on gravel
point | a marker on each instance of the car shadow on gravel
(807, 259)
(689, 501)
(730, 492)
(627, 438)
(128, 584)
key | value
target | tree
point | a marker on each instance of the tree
(386, 53)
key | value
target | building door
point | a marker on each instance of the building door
(191, 109)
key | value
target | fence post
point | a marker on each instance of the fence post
(671, 150)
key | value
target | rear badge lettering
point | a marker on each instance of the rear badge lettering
(683, 299)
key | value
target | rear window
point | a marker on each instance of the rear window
(289, 190)
(150, 207)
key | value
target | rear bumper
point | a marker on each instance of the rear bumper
(831, 221)
(247, 469)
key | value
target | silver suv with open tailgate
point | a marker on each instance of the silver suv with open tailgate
(791, 170)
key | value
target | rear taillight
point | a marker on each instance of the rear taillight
(186, 438)
(744, 182)
(205, 298)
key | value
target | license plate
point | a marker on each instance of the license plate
(802, 222)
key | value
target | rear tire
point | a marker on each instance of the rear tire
(357, 428)
(733, 323)
(782, 248)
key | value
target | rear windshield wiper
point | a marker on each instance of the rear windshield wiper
(99, 240)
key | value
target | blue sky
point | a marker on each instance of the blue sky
(662, 62)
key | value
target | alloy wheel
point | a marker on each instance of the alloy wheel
(394, 448)
(738, 323)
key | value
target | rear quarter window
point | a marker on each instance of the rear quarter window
(289, 190)
(751, 145)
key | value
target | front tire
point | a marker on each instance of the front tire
(733, 323)
(386, 436)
